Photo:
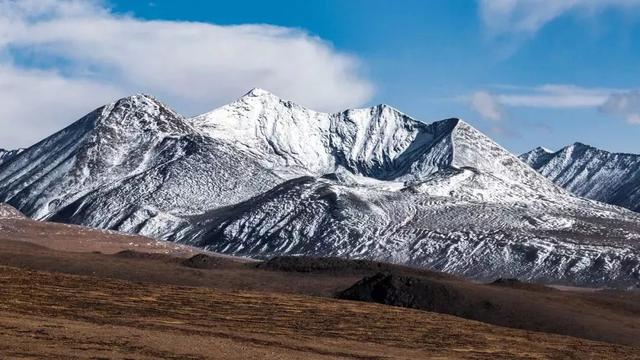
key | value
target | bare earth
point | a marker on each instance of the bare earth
(97, 302)
(81, 239)
(68, 316)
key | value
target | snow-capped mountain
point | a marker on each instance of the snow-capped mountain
(130, 165)
(378, 142)
(263, 176)
(586, 171)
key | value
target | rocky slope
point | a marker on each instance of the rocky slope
(263, 176)
(586, 171)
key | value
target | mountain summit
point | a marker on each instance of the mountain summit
(263, 176)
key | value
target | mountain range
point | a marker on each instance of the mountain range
(613, 178)
(264, 176)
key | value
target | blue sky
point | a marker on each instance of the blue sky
(526, 72)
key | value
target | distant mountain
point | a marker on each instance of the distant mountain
(596, 174)
(263, 176)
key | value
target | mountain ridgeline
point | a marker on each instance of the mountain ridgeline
(263, 176)
(613, 178)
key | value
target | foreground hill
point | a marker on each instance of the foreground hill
(586, 171)
(263, 176)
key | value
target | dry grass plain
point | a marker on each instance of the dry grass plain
(67, 293)
(60, 316)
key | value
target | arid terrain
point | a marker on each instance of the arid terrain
(129, 297)
(68, 316)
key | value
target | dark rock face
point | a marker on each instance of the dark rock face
(203, 261)
(200, 261)
(416, 293)
(311, 264)
(505, 302)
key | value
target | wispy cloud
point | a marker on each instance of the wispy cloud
(494, 106)
(556, 96)
(487, 105)
(60, 58)
(543, 96)
(625, 104)
(526, 17)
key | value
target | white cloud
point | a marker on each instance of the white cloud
(492, 106)
(625, 104)
(528, 16)
(37, 103)
(617, 102)
(63, 57)
(487, 106)
(556, 96)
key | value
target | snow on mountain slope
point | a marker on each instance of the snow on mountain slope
(581, 243)
(263, 176)
(613, 178)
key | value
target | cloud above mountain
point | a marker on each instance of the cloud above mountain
(555, 96)
(60, 58)
(494, 105)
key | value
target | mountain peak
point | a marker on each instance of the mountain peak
(139, 99)
(539, 151)
(135, 108)
(578, 147)
(376, 109)
(535, 157)
(386, 106)
(455, 122)
(579, 144)
(257, 92)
